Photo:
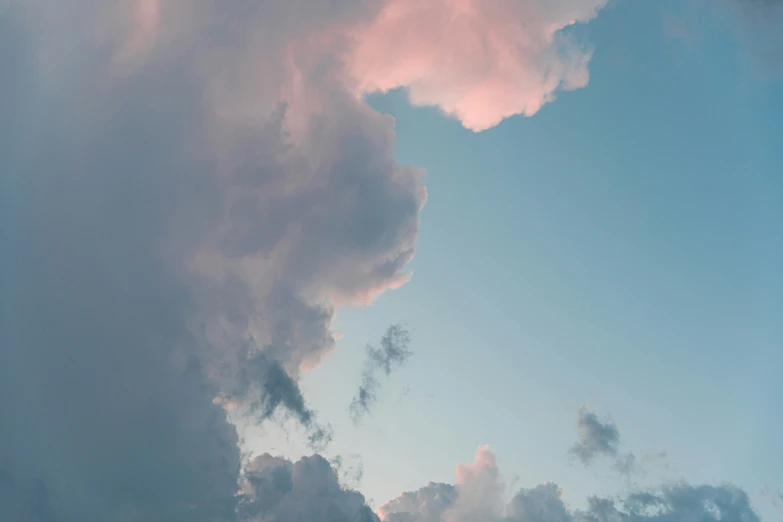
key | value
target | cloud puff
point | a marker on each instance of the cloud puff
(426, 504)
(595, 437)
(24, 501)
(479, 61)
(479, 490)
(307, 490)
(393, 353)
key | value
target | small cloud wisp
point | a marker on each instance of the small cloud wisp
(392, 354)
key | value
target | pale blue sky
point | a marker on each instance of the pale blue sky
(619, 249)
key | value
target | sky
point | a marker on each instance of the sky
(391, 260)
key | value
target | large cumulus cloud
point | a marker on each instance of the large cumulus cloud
(188, 191)
(600, 438)
(392, 354)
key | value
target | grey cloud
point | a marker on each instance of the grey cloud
(625, 463)
(596, 438)
(277, 389)
(279, 490)
(423, 505)
(93, 402)
(600, 438)
(164, 257)
(544, 503)
(393, 353)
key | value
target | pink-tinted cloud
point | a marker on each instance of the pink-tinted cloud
(480, 61)
(146, 20)
(479, 492)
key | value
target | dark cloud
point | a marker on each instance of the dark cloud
(541, 503)
(24, 502)
(478, 494)
(393, 353)
(188, 189)
(596, 437)
(96, 397)
(600, 438)
(174, 241)
(426, 504)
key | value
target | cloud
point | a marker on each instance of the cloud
(182, 224)
(479, 490)
(307, 490)
(600, 438)
(426, 504)
(478, 61)
(24, 501)
(392, 354)
(541, 503)
(596, 438)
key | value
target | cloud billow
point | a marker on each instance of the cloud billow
(173, 256)
(478, 494)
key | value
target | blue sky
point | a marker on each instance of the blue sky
(208, 209)
(619, 249)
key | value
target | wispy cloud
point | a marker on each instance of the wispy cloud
(596, 437)
(307, 490)
(393, 353)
